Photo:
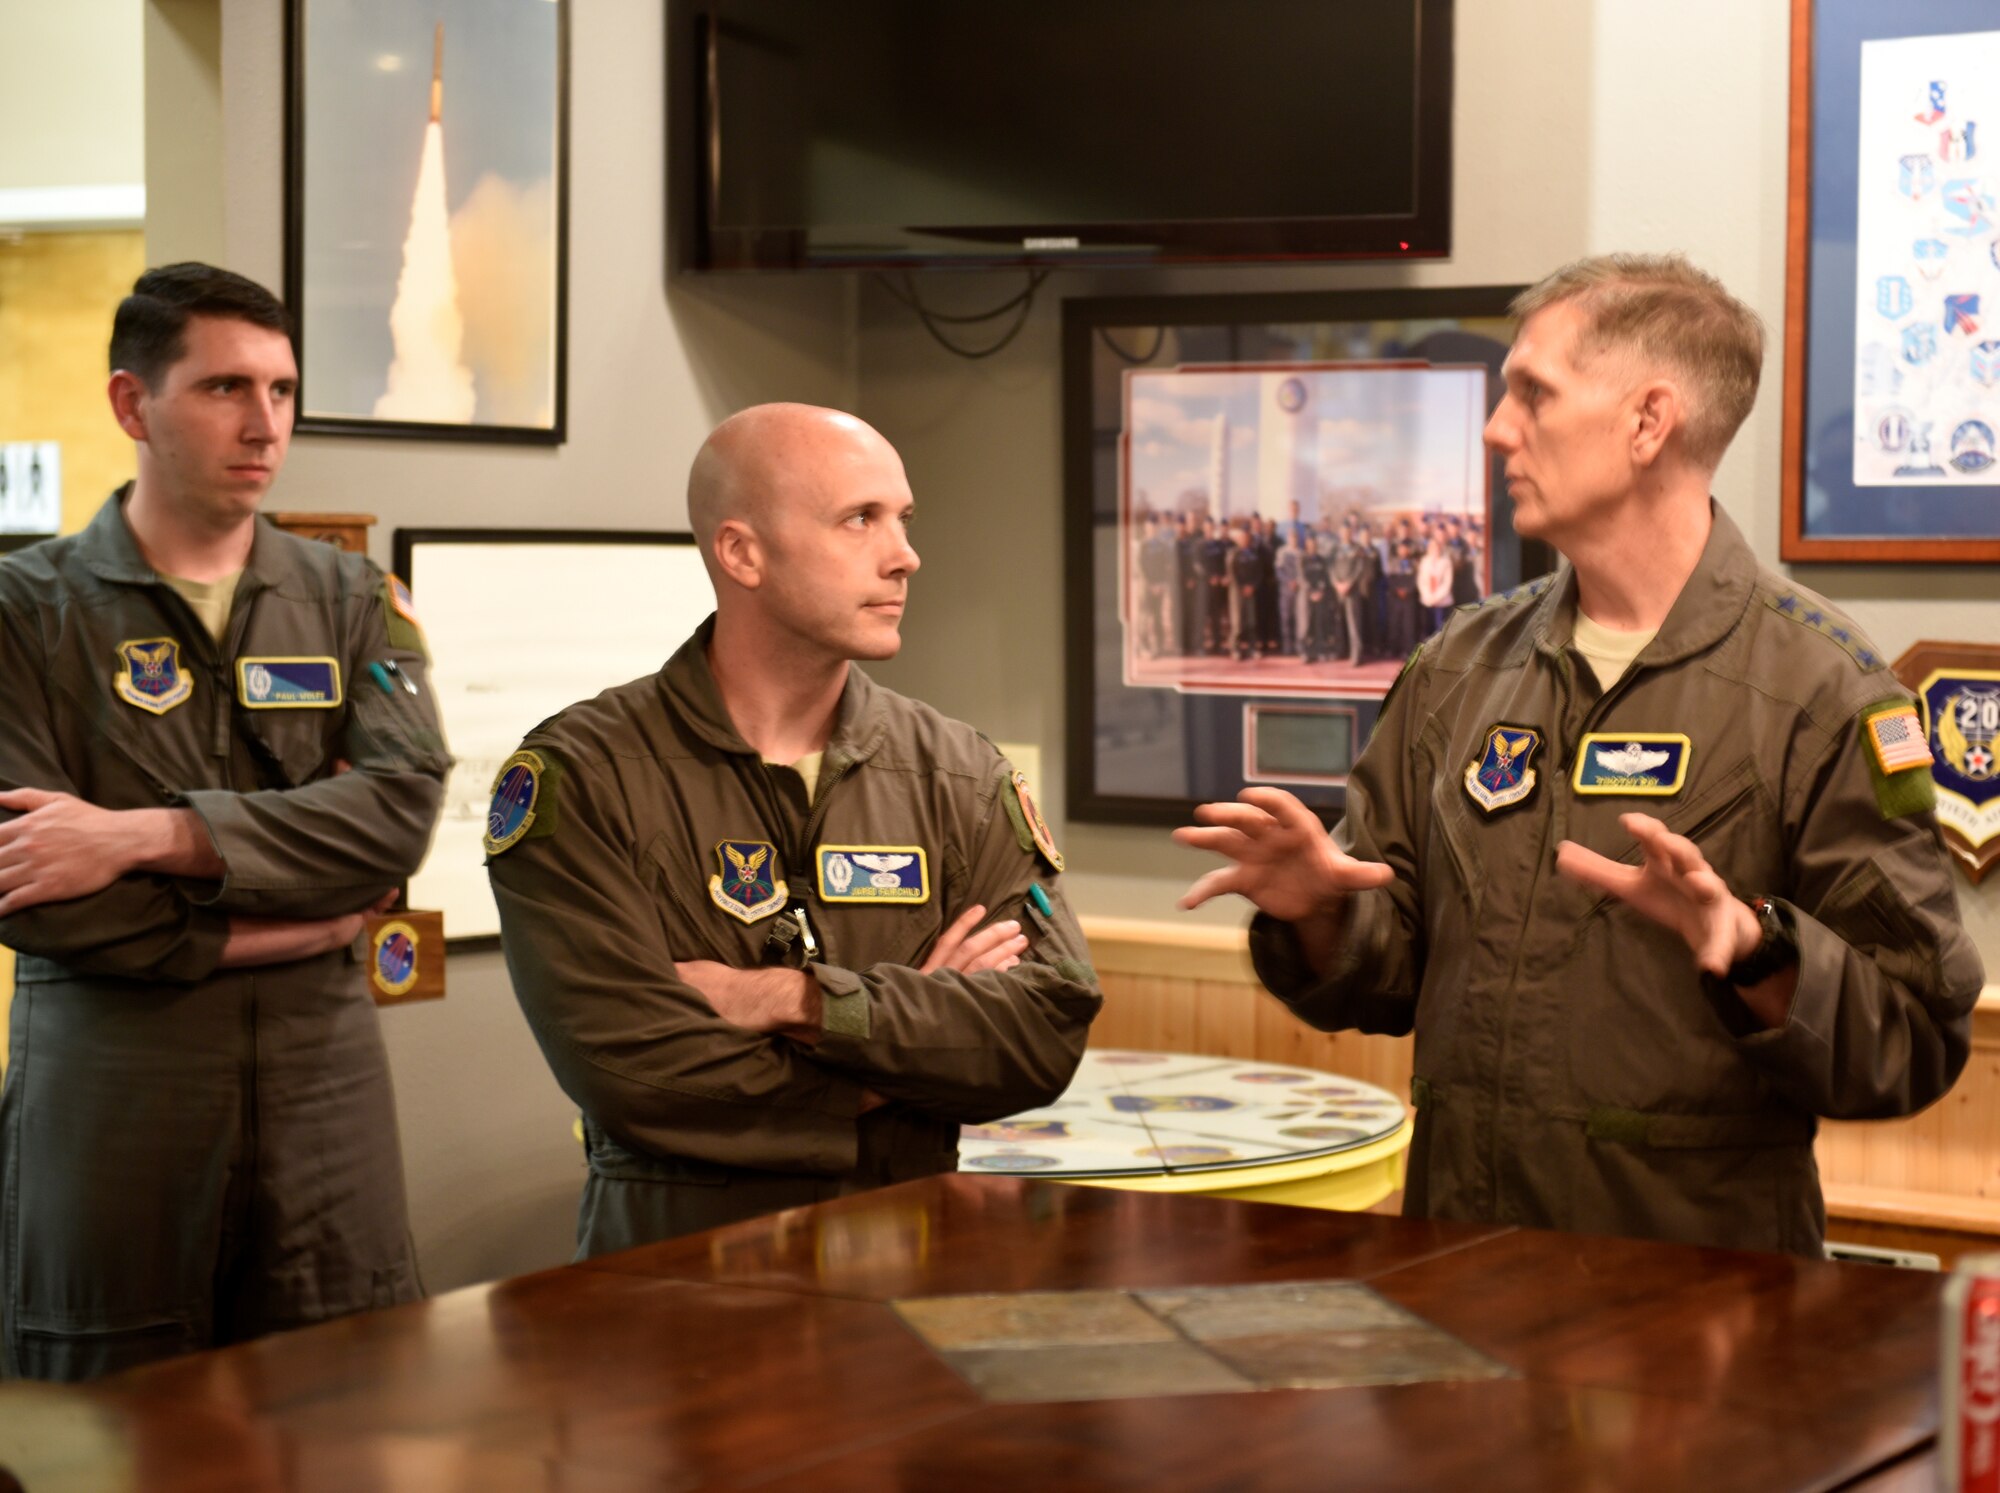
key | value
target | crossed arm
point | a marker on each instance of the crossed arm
(61, 848)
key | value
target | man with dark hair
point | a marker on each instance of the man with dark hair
(1644, 852)
(218, 752)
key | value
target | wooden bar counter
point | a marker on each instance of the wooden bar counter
(766, 1355)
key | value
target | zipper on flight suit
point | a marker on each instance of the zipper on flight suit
(793, 930)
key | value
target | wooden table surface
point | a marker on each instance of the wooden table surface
(765, 1355)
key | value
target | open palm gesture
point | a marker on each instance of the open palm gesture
(1280, 857)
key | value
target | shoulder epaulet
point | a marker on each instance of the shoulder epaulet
(1527, 591)
(1834, 628)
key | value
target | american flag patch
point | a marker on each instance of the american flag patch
(1898, 739)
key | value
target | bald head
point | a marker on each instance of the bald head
(768, 459)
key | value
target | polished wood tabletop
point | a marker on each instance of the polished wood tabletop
(766, 1355)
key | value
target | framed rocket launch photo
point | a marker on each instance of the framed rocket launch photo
(426, 210)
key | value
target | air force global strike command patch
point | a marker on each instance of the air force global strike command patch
(1643, 764)
(1502, 777)
(873, 873)
(150, 675)
(746, 884)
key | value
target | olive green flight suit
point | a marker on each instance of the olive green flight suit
(192, 1155)
(690, 1121)
(1573, 1068)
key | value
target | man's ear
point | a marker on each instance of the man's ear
(1658, 411)
(739, 553)
(127, 394)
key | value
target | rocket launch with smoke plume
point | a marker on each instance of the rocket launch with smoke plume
(428, 379)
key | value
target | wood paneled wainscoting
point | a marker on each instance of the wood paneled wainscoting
(1929, 1182)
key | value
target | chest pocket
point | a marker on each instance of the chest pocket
(696, 927)
(1727, 820)
(1453, 841)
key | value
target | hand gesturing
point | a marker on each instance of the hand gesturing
(1281, 857)
(1675, 886)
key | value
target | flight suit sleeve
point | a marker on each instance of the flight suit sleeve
(137, 926)
(335, 845)
(636, 1048)
(972, 1047)
(1880, 1021)
(1378, 969)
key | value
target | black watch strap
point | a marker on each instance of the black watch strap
(1777, 949)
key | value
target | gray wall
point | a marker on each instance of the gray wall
(1582, 125)
(493, 1172)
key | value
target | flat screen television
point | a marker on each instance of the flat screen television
(858, 133)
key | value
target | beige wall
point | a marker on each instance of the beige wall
(1582, 126)
(55, 293)
(70, 93)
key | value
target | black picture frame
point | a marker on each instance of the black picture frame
(319, 414)
(1455, 330)
(537, 607)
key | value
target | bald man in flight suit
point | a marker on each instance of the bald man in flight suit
(778, 930)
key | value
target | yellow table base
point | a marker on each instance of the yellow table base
(1346, 1181)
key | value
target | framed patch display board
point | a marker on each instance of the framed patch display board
(1892, 297)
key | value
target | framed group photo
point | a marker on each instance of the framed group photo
(426, 200)
(1271, 500)
(1892, 314)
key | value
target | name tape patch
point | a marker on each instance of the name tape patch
(1643, 764)
(873, 873)
(288, 683)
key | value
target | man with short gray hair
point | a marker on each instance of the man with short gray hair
(1643, 851)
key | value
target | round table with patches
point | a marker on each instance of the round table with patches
(1176, 1122)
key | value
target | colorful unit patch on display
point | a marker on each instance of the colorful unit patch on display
(150, 675)
(395, 958)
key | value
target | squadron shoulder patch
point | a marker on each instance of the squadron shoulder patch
(873, 873)
(1501, 777)
(1029, 826)
(288, 683)
(746, 883)
(1644, 764)
(150, 675)
(523, 803)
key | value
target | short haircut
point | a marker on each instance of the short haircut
(1675, 317)
(149, 332)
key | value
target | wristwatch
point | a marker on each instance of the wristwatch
(1777, 948)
